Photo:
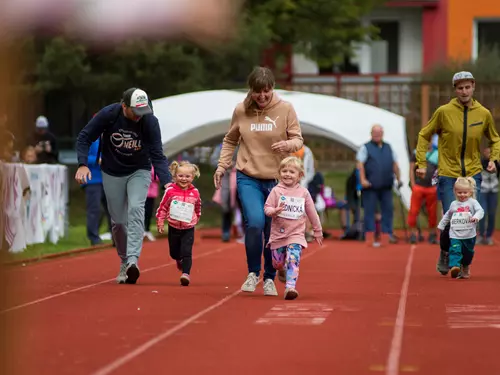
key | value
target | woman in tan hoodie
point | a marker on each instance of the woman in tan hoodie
(267, 130)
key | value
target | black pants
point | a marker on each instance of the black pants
(148, 213)
(181, 243)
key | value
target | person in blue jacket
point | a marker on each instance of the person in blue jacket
(130, 143)
(95, 197)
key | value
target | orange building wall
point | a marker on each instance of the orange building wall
(460, 24)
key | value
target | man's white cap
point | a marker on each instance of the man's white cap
(462, 76)
(42, 122)
(138, 101)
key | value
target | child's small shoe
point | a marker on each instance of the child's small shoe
(179, 264)
(464, 273)
(454, 272)
(185, 279)
(291, 293)
(282, 276)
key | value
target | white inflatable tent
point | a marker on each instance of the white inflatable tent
(189, 119)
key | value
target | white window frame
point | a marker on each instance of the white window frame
(475, 42)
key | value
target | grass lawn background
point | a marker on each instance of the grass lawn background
(76, 236)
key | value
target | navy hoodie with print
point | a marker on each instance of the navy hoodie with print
(126, 146)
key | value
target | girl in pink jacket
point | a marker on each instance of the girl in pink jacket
(288, 204)
(181, 208)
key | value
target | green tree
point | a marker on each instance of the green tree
(323, 30)
(61, 65)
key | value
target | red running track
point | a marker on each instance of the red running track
(361, 311)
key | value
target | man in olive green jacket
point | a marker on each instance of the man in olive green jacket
(460, 125)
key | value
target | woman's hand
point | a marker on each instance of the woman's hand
(218, 179)
(280, 146)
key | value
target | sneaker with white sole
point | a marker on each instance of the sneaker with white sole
(185, 280)
(270, 288)
(250, 283)
(122, 276)
(464, 273)
(133, 273)
(291, 293)
(149, 236)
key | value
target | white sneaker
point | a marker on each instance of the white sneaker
(270, 288)
(122, 276)
(149, 236)
(250, 283)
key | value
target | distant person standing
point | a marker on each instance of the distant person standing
(45, 142)
(488, 200)
(95, 197)
(377, 165)
(423, 191)
(131, 141)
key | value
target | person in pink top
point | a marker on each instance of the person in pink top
(181, 208)
(289, 204)
(153, 192)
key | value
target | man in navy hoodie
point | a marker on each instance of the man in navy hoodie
(130, 142)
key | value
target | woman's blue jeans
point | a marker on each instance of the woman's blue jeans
(253, 193)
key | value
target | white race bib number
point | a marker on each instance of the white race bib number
(461, 221)
(294, 207)
(181, 211)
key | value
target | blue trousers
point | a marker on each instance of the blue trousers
(253, 194)
(489, 202)
(445, 189)
(461, 252)
(384, 198)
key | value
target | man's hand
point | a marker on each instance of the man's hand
(491, 166)
(421, 172)
(365, 183)
(83, 175)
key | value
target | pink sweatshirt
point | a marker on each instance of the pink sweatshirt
(290, 226)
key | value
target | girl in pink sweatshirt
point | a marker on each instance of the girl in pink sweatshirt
(181, 208)
(288, 204)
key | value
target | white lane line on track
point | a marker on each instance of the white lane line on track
(52, 296)
(164, 335)
(392, 366)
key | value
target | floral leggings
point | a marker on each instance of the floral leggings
(288, 258)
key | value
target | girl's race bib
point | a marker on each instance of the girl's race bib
(461, 221)
(181, 211)
(294, 207)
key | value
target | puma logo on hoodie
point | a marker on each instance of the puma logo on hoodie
(255, 132)
(265, 127)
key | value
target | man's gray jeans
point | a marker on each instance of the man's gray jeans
(126, 197)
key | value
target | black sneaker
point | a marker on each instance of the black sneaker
(442, 264)
(133, 273)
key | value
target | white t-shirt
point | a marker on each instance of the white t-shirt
(459, 216)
